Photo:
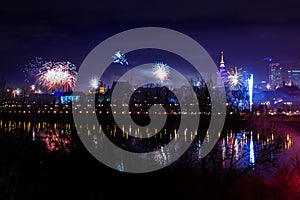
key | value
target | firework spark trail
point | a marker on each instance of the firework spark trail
(161, 72)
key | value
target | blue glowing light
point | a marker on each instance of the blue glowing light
(120, 167)
(173, 100)
(69, 99)
(120, 58)
(268, 59)
(252, 153)
(250, 88)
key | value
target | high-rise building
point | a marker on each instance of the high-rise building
(222, 78)
(294, 77)
(275, 76)
(222, 68)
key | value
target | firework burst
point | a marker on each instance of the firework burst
(161, 71)
(234, 78)
(59, 76)
(94, 82)
(120, 58)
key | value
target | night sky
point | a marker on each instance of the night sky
(247, 31)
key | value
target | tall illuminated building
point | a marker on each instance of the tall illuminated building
(294, 77)
(222, 68)
(223, 75)
(275, 76)
(250, 91)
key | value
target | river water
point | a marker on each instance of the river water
(242, 146)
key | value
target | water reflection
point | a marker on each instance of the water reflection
(232, 146)
(252, 156)
(288, 144)
(55, 140)
(53, 136)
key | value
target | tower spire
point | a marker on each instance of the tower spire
(222, 57)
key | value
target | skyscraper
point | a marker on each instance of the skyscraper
(275, 76)
(294, 77)
(222, 73)
(222, 68)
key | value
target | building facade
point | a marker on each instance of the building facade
(275, 76)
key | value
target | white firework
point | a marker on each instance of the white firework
(161, 71)
(234, 78)
(94, 82)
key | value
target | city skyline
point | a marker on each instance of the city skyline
(149, 116)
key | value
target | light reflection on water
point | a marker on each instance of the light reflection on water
(252, 156)
(57, 137)
(54, 136)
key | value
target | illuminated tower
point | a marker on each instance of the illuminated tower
(102, 88)
(222, 67)
(250, 91)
